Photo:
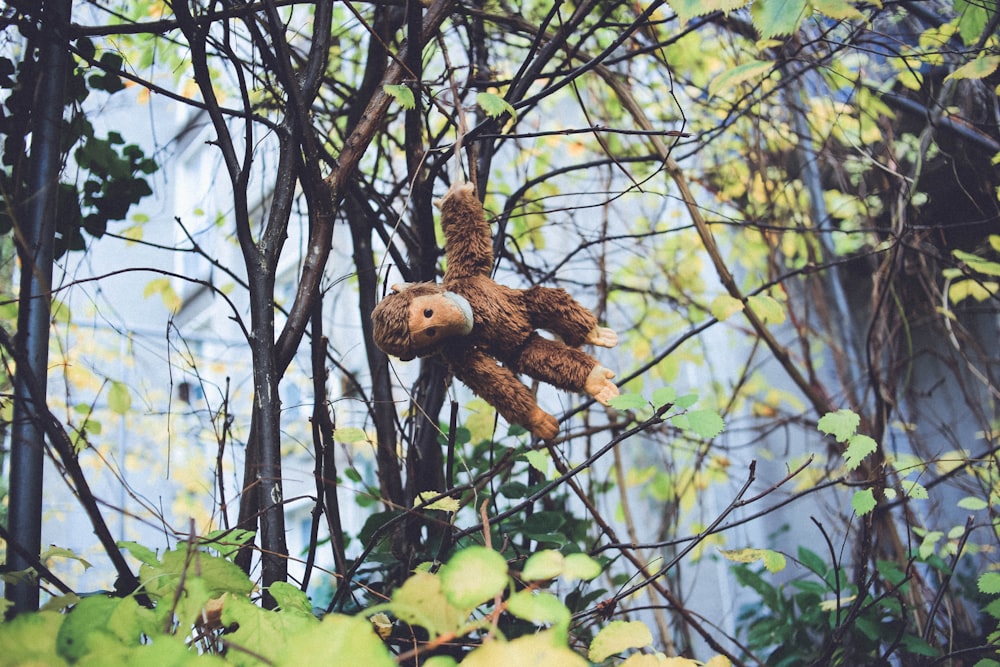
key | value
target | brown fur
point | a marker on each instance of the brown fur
(505, 323)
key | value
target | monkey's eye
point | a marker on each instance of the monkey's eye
(428, 312)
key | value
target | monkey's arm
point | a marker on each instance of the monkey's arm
(499, 387)
(468, 243)
(565, 367)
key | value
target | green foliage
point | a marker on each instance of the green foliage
(972, 278)
(703, 423)
(111, 172)
(749, 174)
(773, 561)
(617, 637)
(842, 426)
(196, 608)
(778, 18)
(401, 93)
(494, 105)
(817, 616)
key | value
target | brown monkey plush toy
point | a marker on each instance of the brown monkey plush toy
(475, 324)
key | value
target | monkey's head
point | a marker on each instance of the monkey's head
(416, 318)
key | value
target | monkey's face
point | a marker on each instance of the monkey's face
(436, 317)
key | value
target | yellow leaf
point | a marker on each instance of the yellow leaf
(619, 636)
(773, 561)
(734, 76)
(724, 306)
(767, 308)
(543, 648)
(719, 661)
(446, 504)
(831, 605)
(838, 9)
(980, 291)
(165, 289)
(980, 68)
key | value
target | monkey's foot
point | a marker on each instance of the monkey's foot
(542, 424)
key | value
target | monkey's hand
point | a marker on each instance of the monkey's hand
(542, 424)
(602, 336)
(600, 386)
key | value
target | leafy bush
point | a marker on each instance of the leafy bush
(196, 607)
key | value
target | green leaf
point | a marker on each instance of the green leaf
(993, 609)
(473, 576)
(119, 398)
(926, 548)
(61, 552)
(97, 624)
(664, 396)
(914, 490)
(201, 576)
(539, 607)
(618, 636)
(767, 308)
(421, 601)
(60, 312)
(686, 401)
(374, 523)
(813, 561)
(546, 648)
(338, 640)
(977, 263)
(439, 661)
(290, 599)
(858, 447)
(628, 401)
(30, 639)
(972, 20)
(774, 18)
(980, 68)
(841, 424)
(262, 632)
(140, 552)
(840, 10)
(989, 583)
(976, 289)
(549, 564)
(918, 645)
(729, 79)
(349, 435)
(863, 501)
(689, 9)
(724, 306)
(59, 603)
(580, 566)
(445, 504)
(543, 565)
(540, 461)
(774, 561)
(494, 105)
(401, 93)
(705, 423)
(973, 504)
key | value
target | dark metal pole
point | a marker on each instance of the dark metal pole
(34, 234)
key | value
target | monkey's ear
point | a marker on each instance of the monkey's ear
(399, 287)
